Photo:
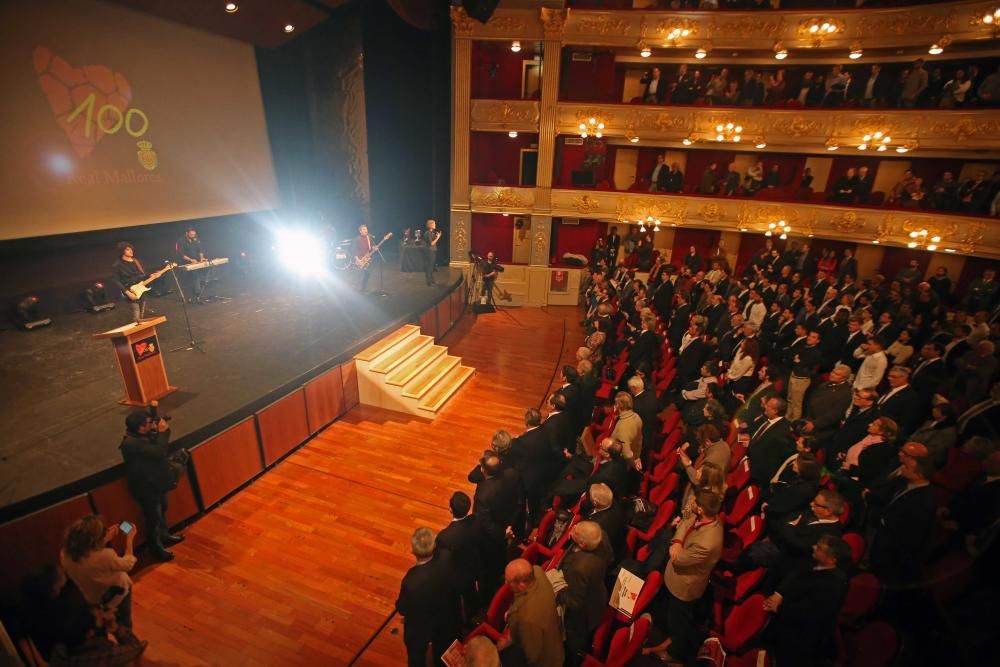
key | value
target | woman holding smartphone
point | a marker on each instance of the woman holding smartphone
(95, 567)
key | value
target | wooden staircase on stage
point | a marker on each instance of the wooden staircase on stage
(407, 372)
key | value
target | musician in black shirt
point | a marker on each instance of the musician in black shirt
(431, 237)
(188, 250)
(128, 271)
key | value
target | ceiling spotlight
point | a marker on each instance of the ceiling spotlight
(780, 52)
(515, 46)
(645, 51)
(935, 49)
(989, 19)
(700, 54)
(831, 146)
(289, 27)
(231, 7)
(856, 51)
(949, 250)
(634, 139)
(687, 141)
(875, 241)
(760, 143)
(512, 134)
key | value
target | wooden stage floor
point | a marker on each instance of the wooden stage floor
(303, 566)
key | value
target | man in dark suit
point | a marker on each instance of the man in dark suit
(904, 524)
(655, 90)
(146, 452)
(795, 537)
(663, 297)
(854, 425)
(828, 402)
(875, 88)
(806, 604)
(683, 87)
(496, 505)
(753, 404)
(843, 189)
(901, 403)
(862, 186)
(690, 355)
(675, 179)
(535, 461)
(645, 348)
(560, 428)
(647, 406)
(570, 390)
(461, 539)
(929, 373)
(679, 320)
(613, 242)
(429, 601)
(818, 291)
(855, 337)
(771, 442)
(585, 597)
(658, 176)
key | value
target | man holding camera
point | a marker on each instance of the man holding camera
(490, 268)
(152, 471)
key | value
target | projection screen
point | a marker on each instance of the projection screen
(115, 118)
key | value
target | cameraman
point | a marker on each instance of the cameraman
(490, 268)
(151, 474)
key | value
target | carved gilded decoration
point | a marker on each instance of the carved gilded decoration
(502, 199)
(887, 27)
(459, 232)
(948, 133)
(553, 21)
(506, 114)
(863, 225)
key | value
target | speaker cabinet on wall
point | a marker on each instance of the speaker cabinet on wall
(481, 10)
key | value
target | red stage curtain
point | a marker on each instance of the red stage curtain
(493, 231)
(496, 70)
(588, 81)
(577, 239)
(495, 157)
(897, 259)
(704, 240)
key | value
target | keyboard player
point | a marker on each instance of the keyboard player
(188, 250)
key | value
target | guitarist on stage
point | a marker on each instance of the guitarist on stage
(128, 271)
(362, 246)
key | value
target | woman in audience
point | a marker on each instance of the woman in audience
(872, 457)
(740, 376)
(913, 194)
(794, 488)
(732, 95)
(827, 261)
(95, 568)
(755, 179)
(901, 349)
(711, 477)
(777, 88)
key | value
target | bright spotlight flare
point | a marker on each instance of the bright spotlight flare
(300, 251)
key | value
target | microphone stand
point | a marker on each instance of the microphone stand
(381, 277)
(192, 344)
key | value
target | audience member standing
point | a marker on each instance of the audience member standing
(534, 624)
(429, 602)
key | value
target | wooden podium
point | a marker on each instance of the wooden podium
(140, 360)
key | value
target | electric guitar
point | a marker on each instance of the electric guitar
(141, 288)
(362, 262)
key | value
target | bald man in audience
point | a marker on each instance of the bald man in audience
(533, 622)
(586, 596)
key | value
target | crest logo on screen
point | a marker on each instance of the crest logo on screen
(91, 102)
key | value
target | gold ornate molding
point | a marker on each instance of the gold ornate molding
(503, 115)
(965, 235)
(504, 24)
(490, 199)
(889, 27)
(939, 132)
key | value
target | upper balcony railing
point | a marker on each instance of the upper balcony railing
(843, 29)
(955, 233)
(944, 133)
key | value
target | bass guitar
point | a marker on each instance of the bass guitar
(362, 262)
(141, 288)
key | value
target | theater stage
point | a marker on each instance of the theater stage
(59, 387)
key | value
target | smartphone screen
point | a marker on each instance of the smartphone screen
(125, 527)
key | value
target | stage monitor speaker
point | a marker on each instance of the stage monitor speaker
(481, 10)
(479, 308)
